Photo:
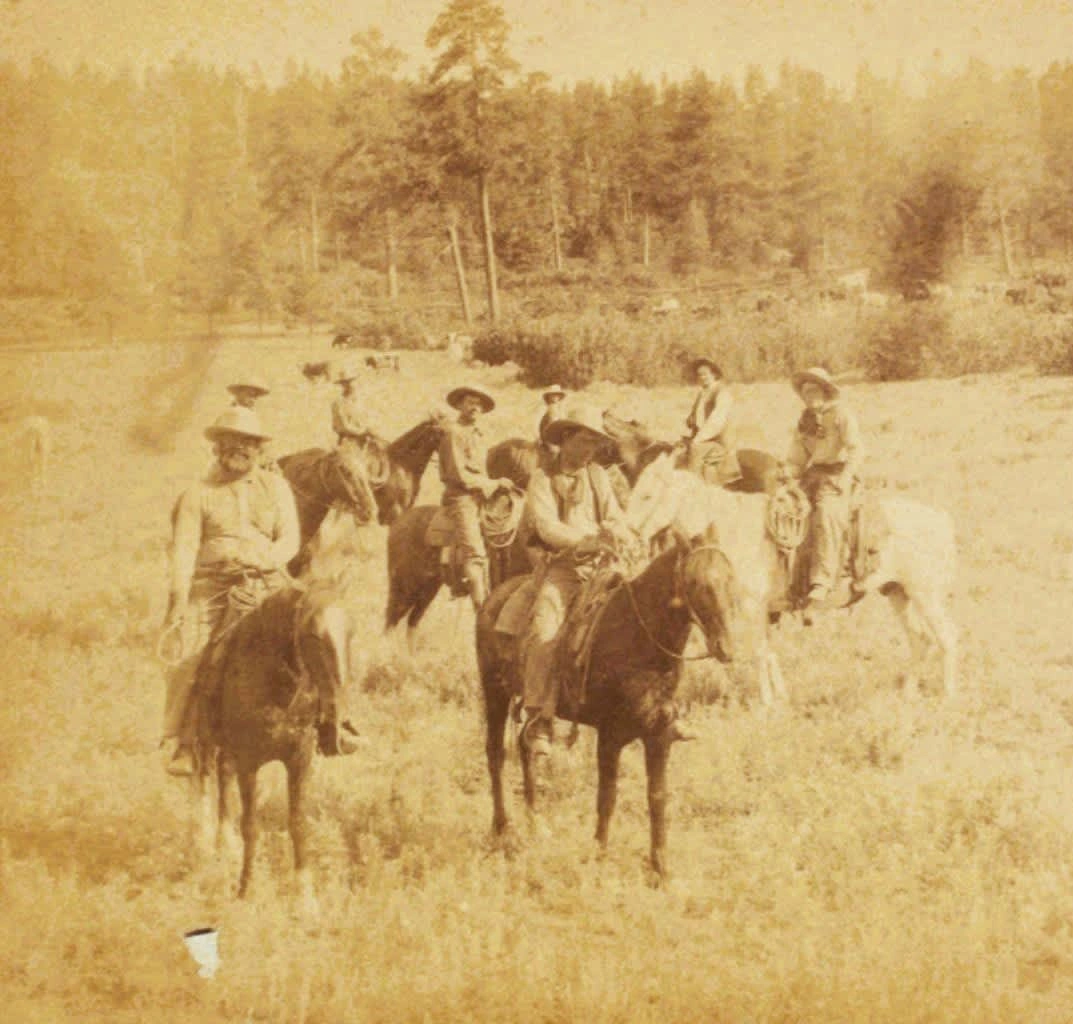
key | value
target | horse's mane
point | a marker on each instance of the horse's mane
(413, 449)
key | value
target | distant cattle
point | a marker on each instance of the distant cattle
(668, 305)
(1049, 280)
(317, 371)
(834, 294)
(856, 281)
(345, 341)
(384, 361)
(764, 303)
(1017, 296)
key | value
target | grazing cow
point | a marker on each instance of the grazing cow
(668, 305)
(1017, 296)
(915, 562)
(1050, 281)
(387, 361)
(317, 371)
(856, 281)
(344, 341)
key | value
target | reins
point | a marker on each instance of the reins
(693, 617)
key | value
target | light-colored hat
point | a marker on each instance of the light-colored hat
(815, 375)
(585, 417)
(237, 420)
(710, 363)
(250, 381)
(346, 371)
(454, 398)
(553, 391)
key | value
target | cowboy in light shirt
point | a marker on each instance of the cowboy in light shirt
(238, 526)
(825, 454)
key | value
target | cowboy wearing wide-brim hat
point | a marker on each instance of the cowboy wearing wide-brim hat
(348, 416)
(462, 457)
(238, 527)
(711, 434)
(575, 517)
(247, 390)
(825, 453)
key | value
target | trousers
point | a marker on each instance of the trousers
(540, 641)
(829, 492)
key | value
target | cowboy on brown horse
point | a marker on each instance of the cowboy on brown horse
(232, 534)
(575, 518)
(825, 455)
(462, 469)
(710, 441)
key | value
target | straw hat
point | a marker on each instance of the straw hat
(237, 420)
(251, 382)
(815, 375)
(454, 398)
(585, 417)
(555, 391)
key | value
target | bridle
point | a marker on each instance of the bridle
(683, 591)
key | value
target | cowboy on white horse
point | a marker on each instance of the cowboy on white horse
(825, 455)
(237, 527)
(576, 518)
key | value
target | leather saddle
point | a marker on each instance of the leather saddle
(440, 534)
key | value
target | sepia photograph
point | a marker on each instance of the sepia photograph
(536, 512)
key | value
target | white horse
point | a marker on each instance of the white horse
(35, 433)
(916, 563)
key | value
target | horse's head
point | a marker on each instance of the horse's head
(708, 589)
(664, 497)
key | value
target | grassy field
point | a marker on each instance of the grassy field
(861, 855)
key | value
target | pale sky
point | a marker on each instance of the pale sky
(569, 39)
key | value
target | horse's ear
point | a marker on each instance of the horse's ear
(681, 539)
(709, 535)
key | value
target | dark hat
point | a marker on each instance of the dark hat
(705, 361)
(454, 398)
(576, 417)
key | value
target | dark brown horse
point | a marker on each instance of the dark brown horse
(409, 456)
(320, 480)
(634, 669)
(414, 570)
(281, 680)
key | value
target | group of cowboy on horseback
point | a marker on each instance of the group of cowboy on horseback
(235, 531)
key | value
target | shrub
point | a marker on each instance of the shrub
(902, 344)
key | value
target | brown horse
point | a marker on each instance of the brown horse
(321, 480)
(635, 662)
(414, 570)
(409, 456)
(281, 679)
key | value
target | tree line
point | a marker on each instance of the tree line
(215, 191)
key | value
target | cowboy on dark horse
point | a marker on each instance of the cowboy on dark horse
(232, 535)
(462, 469)
(575, 518)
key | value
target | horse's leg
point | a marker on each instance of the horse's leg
(496, 707)
(935, 616)
(247, 787)
(429, 589)
(919, 641)
(228, 806)
(608, 749)
(204, 811)
(657, 749)
(298, 775)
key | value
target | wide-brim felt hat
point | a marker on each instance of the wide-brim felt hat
(454, 398)
(251, 382)
(705, 361)
(574, 417)
(237, 420)
(555, 391)
(815, 375)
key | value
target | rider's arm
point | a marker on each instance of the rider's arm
(543, 512)
(716, 423)
(185, 542)
(454, 468)
(346, 418)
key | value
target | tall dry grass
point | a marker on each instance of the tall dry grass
(862, 854)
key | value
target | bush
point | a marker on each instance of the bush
(1054, 349)
(902, 344)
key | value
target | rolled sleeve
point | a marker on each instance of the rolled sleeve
(185, 540)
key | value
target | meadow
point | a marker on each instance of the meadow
(860, 854)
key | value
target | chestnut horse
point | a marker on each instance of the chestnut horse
(279, 685)
(634, 666)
